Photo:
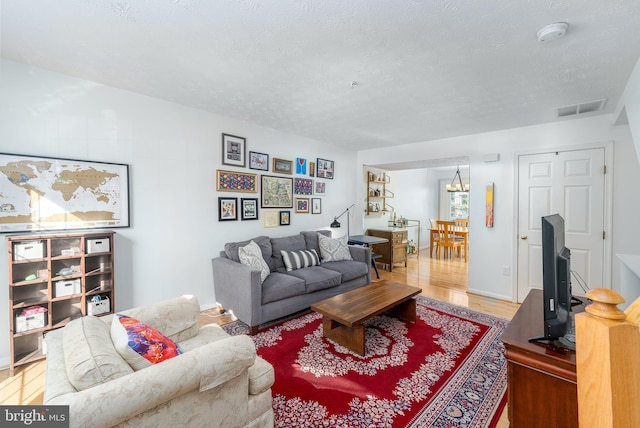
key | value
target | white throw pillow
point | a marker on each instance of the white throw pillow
(251, 255)
(334, 250)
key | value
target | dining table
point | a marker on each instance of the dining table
(458, 231)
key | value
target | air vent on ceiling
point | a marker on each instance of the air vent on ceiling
(588, 107)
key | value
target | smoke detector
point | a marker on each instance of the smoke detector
(552, 32)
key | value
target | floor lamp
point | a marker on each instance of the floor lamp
(336, 224)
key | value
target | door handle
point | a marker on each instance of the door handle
(523, 237)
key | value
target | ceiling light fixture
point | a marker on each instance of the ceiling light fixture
(353, 84)
(457, 187)
(552, 32)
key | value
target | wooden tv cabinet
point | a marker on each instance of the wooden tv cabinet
(542, 390)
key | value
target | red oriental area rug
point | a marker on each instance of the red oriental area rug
(446, 370)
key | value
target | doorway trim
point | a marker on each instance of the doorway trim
(608, 147)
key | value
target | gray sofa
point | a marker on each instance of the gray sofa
(237, 286)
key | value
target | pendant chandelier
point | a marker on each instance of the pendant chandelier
(457, 187)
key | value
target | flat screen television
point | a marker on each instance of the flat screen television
(556, 283)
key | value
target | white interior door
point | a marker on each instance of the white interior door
(571, 184)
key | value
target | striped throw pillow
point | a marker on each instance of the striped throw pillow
(299, 259)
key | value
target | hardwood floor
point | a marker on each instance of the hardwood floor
(440, 279)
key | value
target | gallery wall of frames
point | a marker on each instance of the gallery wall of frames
(258, 186)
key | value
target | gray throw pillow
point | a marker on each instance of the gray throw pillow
(334, 250)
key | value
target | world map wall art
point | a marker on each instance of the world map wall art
(43, 193)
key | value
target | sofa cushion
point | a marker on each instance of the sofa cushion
(311, 238)
(279, 286)
(140, 344)
(287, 243)
(299, 259)
(317, 278)
(349, 269)
(231, 249)
(261, 376)
(251, 255)
(89, 354)
(208, 333)
(334, 250)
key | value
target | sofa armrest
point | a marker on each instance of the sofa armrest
(238, 288)
(360, 253)
(121, 399)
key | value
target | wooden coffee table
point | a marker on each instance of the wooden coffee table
(344, 314)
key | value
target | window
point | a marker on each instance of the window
(458, 205)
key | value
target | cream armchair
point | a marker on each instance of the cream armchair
(217, 382)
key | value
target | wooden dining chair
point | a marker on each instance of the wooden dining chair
(435, 236)
(447, 238)
(462, 222)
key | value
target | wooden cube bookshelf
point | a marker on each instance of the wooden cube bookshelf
(60, 272)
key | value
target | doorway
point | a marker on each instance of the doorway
(418, 193)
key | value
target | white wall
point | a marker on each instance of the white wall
(173, 153)
(630, 102)
(494, 248)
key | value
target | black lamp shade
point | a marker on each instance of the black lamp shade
(335, 224)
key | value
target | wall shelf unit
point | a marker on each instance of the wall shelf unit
(378, 194)
(52, 280)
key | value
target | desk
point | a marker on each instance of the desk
(541, 378)
(368, 241)
(459, 231)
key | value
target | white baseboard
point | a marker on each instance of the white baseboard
(492, 295)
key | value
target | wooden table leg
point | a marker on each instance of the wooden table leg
(466, 246)
(430, 243)
(349, 337)
(405, 311)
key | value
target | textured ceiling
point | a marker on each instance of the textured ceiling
(424, 69)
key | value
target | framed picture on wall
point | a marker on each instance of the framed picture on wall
(282, 166)
(301, 166)
(325, 168)
(259, 161)
(285, 218)
(227, 209)
(249, 208)
(233, 150)
(302, 205)
(43, 193)
(277, 192)
(488, 217)
(234, 181)
(303, 186)
(270, 218)
(316, 206)
(320, 187)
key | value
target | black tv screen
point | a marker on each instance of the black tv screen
(556, 278)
